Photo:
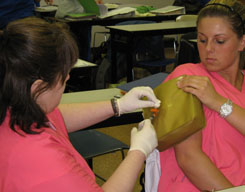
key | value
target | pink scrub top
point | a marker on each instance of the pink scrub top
(46, 162)
(222, 143)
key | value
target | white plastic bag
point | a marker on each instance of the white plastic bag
(66, 7)
(152, 171)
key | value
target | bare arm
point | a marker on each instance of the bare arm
(204, 90)
(204, 174)
(124, 178)
(236, 118)
(81, 115)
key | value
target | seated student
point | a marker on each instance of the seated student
(82, 32)
(11, 10)
(213, 158)
(36, 154)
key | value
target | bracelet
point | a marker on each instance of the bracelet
(115, 108)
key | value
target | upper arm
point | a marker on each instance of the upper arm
(188, 148)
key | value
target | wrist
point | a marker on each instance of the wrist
(115, 107)
(219, 103)
(136, 153)
(226, 109)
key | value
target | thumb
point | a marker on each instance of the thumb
(134, 131)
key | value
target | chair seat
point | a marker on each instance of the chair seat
(92, 143)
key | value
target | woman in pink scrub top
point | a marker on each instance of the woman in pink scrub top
(213, 158)
(36, 154)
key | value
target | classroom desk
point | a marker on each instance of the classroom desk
(102, 95)
(82, 28)
(115, 20)
(132, 31)
(81, 76)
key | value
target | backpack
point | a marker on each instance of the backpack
(191, 6)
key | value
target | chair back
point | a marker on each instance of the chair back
(186, 18)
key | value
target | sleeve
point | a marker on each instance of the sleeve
(64, 183)
(184, 69)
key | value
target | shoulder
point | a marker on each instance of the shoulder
(188, 69)
(57, 119)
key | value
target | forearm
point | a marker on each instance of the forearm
(204, 174)
(81, 115)
(124, 178)
(236, 118)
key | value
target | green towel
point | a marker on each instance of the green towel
(144, 9)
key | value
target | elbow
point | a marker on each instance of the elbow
(182, 160)
(185, 160)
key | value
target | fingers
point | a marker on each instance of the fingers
(133, 131)
(49, 2)
(193, 81)
(144, 138)
(148, 92)
(194, 84)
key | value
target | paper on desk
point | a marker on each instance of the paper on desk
(47, 8)
(111, 5)
(168, 10)
(119, 11)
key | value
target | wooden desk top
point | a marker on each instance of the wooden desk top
(90, 96)
(115, 20)
(170, 25)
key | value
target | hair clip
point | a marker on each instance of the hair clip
(228, 7)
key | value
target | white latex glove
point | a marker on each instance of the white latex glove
(144, 138)
(133, 100)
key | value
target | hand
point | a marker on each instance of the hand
(201, 87)
(144, 138)
(49, 2)
(133, 100)
(99, 1)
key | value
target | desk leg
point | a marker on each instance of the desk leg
(113, 58)
(130, 52)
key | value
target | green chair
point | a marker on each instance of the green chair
(92, 143)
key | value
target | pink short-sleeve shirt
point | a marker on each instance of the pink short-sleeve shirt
(42, 162)
(222, 143)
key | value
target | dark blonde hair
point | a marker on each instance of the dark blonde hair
(231, 10)
(32, 49)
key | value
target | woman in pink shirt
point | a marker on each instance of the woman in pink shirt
(213, 158)
(36, 154)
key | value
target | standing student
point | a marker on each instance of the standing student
(213, 158)
(11, 10)
(36, 154)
